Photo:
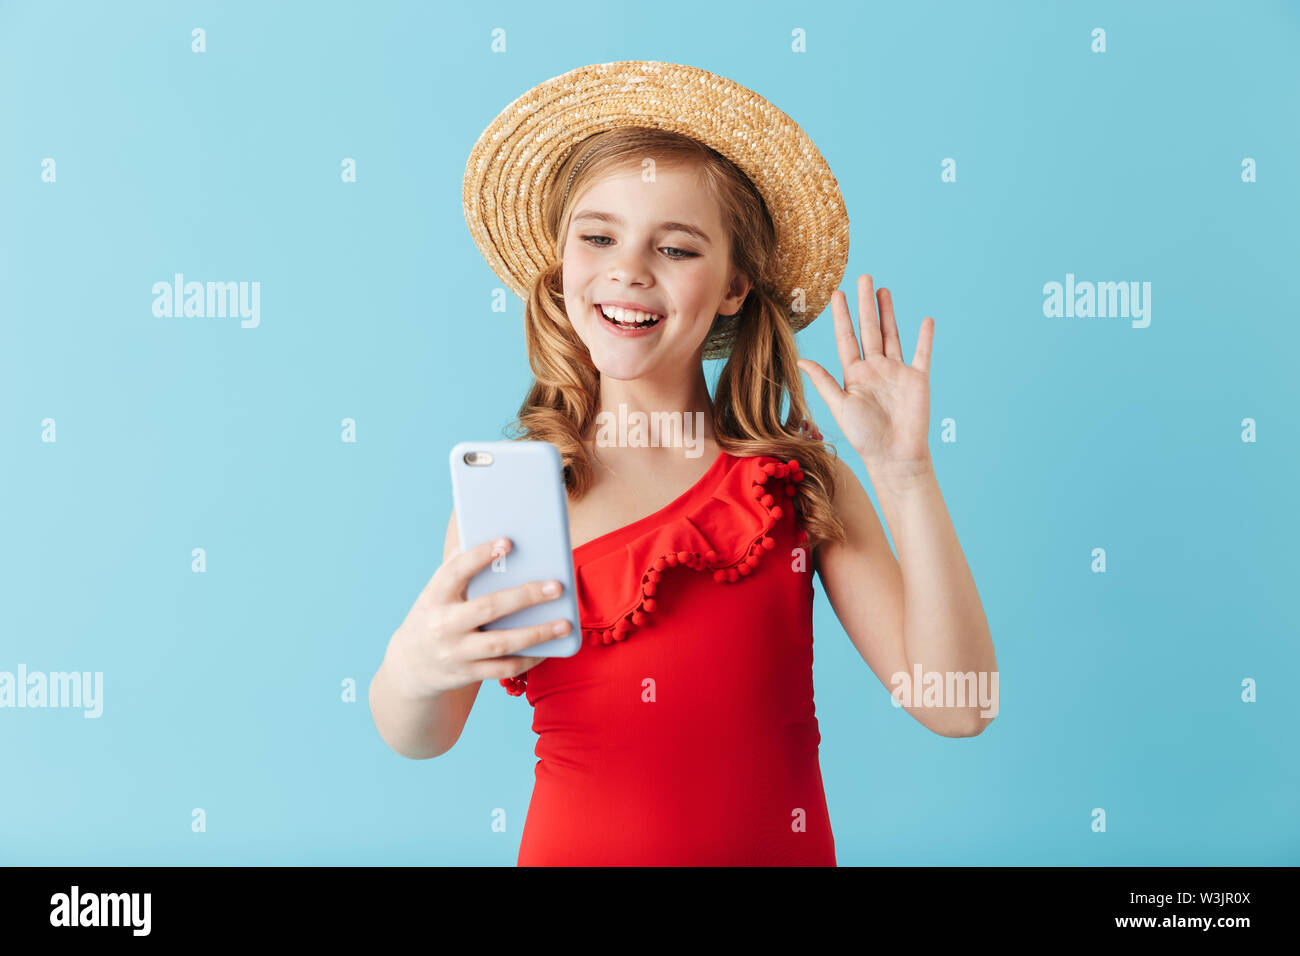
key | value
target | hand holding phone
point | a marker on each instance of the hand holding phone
(440, 645)
(515, 490)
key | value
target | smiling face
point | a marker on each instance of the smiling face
(659, 246)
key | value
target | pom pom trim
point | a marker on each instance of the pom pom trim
(770, 496)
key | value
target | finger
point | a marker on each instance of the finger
(924, 345)
(499, 668)
(825, 383)
(845, 343)
(487, 608)
(889, 326)
(452, 578)
(509, 641)
(867, 317)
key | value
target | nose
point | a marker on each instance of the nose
(628, 268)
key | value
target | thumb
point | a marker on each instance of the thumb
(824, 382)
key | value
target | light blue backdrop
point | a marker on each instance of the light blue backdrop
(222, 690)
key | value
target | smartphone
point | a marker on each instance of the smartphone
(515, 489)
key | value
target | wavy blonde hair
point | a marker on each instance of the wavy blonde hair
(759, 372)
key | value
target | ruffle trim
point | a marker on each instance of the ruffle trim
(728, 573)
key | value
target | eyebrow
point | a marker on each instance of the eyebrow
(685, 227)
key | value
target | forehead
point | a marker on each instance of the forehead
(641, 200)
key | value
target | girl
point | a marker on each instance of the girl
(653, 215)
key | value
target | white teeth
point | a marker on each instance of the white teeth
(629, 318)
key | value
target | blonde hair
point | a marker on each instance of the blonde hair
(760, 371)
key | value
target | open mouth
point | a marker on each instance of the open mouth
(628, 319)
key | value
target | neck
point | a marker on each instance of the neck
(669, 417)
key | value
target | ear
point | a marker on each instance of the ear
(736, 292)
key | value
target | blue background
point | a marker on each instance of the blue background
(222, 690)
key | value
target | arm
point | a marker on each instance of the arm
(420, 727)
(924, 612)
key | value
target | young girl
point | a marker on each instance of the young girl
(653, 215)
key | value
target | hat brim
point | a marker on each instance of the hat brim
(513, 162)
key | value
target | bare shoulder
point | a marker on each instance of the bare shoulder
(845, 477)
(850, 501)
(847, 496)
(862, 578)
(864, 534)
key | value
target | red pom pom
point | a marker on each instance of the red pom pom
(768, 543)
(638, 617)
(794, 464)
(719, 576)
(769, 468)
(710, 556)
(683, 556)
(766, 501)
(751, 562)
(671, 560)
(648, 589)
(761, 478)
(607, 638)
(732, 574)
(781, 470)
(649, 604)
(654, 576)
(777, 512)
(660, 564)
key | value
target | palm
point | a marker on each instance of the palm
(883, 408)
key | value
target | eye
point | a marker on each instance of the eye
(682, 253)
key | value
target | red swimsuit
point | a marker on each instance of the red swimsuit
(683, 731)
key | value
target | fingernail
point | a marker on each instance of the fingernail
(552, 587)
(499, 543)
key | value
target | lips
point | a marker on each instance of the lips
(614, 326)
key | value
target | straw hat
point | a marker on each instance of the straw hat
(514, 160)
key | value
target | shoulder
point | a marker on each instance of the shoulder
(849, 496)
(844, 478)
(853, 507)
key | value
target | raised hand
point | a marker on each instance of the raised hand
(883, 409)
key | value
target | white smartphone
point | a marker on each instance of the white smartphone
(515, 489)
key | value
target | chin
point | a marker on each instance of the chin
(619, 369)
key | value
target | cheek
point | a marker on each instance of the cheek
(568, 267)
(577, 268)
(577, 259)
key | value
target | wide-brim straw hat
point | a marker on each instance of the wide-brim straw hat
(512, 165)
